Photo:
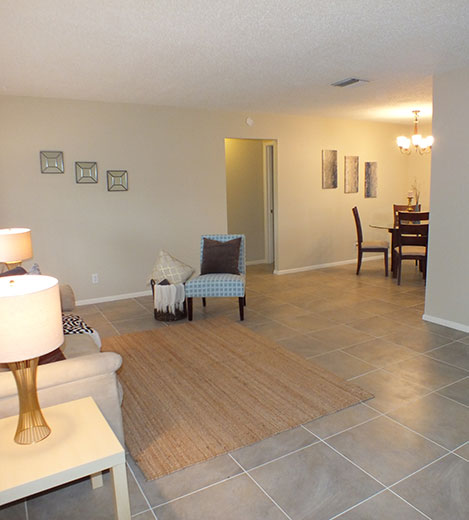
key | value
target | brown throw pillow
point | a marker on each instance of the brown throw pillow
(51, 357)
(220, 257)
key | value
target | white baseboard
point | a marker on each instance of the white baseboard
(322, 266)
(113, 298)
(255, 262)
(446, 323)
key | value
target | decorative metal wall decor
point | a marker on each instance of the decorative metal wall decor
(329, 169)
(86, 172)
(117, 180)
(351, 174)
(371, 180)
(52, 162)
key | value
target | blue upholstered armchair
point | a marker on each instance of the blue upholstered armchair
(219, 285)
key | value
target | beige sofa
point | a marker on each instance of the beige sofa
(85, 372)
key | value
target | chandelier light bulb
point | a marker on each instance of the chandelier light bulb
(421, 144)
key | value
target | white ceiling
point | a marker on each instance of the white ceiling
(250, 55)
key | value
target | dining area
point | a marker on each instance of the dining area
(408, 228)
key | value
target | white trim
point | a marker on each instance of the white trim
(255, 262)
(446, 323)
(322, 266)
(113, 298)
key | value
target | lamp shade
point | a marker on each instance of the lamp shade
(30, 317)
(15, 245)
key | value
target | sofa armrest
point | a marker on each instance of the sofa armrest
(93, 375)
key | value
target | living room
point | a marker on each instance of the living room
(174, 153)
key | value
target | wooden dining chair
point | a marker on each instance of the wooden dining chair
(372, 246)
(412, 241)
(402, 207)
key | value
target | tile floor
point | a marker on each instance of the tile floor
(402, 455)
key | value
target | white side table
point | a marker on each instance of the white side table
(81, 443)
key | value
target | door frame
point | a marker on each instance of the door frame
(270, 199)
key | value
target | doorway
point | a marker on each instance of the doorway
(251, 197)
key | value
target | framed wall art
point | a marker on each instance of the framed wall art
(351, 173)
(86, 172)
(329, 169)
(371, 180)
(117, 180)
(51, 162)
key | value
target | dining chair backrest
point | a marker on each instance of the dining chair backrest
(358, 225)
(413, 232)
(402, 207)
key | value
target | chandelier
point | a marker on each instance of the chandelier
(421, 144)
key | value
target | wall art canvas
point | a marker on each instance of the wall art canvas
(351, 174)
(117, 180)
(371, 180)
(51, 162)
(86, 172)
(329, 169)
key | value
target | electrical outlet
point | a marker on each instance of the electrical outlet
(95, 278)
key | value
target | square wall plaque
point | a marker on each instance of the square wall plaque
(117, 180)
(86, 172)
(52, 162)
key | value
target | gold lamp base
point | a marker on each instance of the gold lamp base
(32, 426)
(409, 204)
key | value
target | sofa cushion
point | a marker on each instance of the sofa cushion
(170, 268)
(220, 257)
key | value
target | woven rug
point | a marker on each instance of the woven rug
(196, 390)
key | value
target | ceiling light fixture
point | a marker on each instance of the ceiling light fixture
(421, 144)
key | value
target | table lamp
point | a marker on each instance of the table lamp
(15, 246)
(30, 326)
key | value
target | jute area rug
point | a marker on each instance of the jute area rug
(196, 390)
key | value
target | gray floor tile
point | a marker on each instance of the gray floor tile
(147, 515)
(445, 331)
(315, 483)
(427, 372)
(390, 390)
(385, 506)
(440, 490)
(458, 391)
(121, 309)
(273, 447)
(13, 511)
(137, 324)
(463, 451)
(341, 420)
(437, 418)
(306, 346)
(341, 336)
(385, 449)
(343, 364)
(380, 352)
(416, 339)
(456, 354)
(80, 501)
(308, 322)
(186, 480)
(231, 500)
(376, 326)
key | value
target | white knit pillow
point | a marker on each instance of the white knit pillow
(170, 268)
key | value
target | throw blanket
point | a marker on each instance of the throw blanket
(168, 298)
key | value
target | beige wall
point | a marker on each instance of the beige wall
(245, 193)
(447, 296)
(177, 186)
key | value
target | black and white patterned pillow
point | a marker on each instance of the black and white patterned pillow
(73, 324)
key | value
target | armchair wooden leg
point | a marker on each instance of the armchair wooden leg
(204, 302)
(386, 263)
(244, 300)
(241, 308)
(189, 308)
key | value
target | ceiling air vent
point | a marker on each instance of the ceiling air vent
(348, 81)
